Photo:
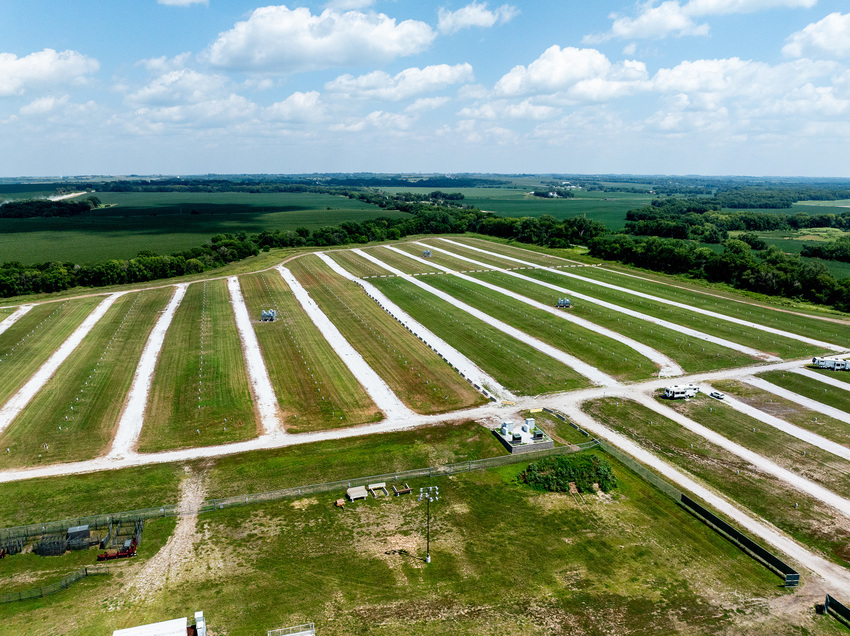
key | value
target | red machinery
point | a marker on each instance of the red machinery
(122, 553)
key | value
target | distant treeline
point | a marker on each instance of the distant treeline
(837, 250)
(46, 208)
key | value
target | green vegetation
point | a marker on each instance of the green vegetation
(785, 450)
(608, 354)
(356, 264)
(314, 388)
(74, 416)
(200, 378)
(413, 371)
(557, 429)
(436, 257)
(28, 343)
(812, 523)
(692, 354)
(818, 391)
(517, 366)
(497, 249)
(396, 260)
(557, 473)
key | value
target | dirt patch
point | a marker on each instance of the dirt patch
(302, 504)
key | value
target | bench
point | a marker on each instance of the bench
(402, 491)
(379, 486)
(358, 492)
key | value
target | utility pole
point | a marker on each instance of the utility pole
(429, 494)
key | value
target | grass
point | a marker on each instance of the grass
(413, 371)
(633, 562)
(545, 259)
(818, 391)
(396, 260)
(165, 222)
(437, 258)
(692, 354)
(314, 388)
(200, 379)
(787, 410)
(28, 343)
(609, 355)
(812, 523)
(86, 394)
(818, 465)
(356, 264)
(517, 366)
(558, 430)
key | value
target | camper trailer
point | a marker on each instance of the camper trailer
(679, 391)
(833, 364)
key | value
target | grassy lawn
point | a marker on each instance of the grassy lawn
(692, 354)
(396, 260)
(558, 430)
(437, 258)
(608, 355)
(787, 410)
(843, 376)
(517, 366)
(86, 394)
(824, 393)
(356, 264)
(315, 389)
(200, 377)
(27, 344)
(776, 345)
(812, 523)
(505, 249)
(413, 371)
(786, 450)
(631, 562)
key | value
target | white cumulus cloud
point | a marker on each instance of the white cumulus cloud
(43, 105)
(427, 103)
(556, 69)
(179, 86)
(474, 15)
(43, 68)
(299, 107)
(277, 39)
(829, 38)
(407, 83)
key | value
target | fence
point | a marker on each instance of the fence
(840, 611)
(563, 418)
(307, 629)
(46, 590)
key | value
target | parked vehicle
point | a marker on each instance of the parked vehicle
(678, 391)
(717, 395)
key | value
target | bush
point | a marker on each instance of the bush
(555, 473)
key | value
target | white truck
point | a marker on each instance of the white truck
(833, 363)
(679, 391)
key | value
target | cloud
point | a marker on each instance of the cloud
(43, 68)
(427, 103)
(43, 105)
(828, 38)
(378, 119)
(209, 114)
(407, 83)
(301, 107)
(182, 3)
(177, 87)
(163, 64)
(525, 110)
(671, 17)
(474, 15)
(277, 39)
(346, 5)
(556, 69)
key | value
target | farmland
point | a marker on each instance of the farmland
(73, 417)
(200, 394)
(300, 362)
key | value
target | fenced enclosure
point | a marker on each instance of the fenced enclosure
(840, 611)
(47, 590)
(307, 629)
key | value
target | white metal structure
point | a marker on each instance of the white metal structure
(308, 629)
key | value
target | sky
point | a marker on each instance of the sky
(179, 87)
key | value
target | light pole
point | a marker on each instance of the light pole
(429, 494)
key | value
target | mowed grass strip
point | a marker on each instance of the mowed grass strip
(200, 379)
(314, 388)
(751, 337)
(812, 389)
(798, 456)
(517, 366)
(812, 523)
(437, 258)
(488, 259)
(406, 265)
(823, 425)
(417, 375)
(74, 416)
(602, 352)
(27, 344)
(546, 260)
(356, 264)
(755, 312)
(692, 354)
(842, 376)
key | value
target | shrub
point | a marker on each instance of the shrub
(555, 473)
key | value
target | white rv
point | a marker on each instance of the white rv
(834, 364)
(678, 391)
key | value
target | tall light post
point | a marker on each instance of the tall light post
(429, 494)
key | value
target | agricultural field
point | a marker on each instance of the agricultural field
(167, 222)
(517, 366)
(818, 391)
(437, 258)
(73, 417)
(413, 371)
(501, 249)
(28, 343)
(812, 523)
(401, 262)
(356, 264)
(200, 394)
(314, 388)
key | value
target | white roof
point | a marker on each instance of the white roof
(174, 627)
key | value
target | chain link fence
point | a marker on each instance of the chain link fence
(46, 590)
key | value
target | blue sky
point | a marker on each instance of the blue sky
(755, 87)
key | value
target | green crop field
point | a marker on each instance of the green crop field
(823, 425)
(76, 412)
(692, 354)
(819, 391)
(167, 222)
(785, 450)
(314, 388)
(607, 354)
(516, 365)
(413, 371)
(200, 379)
(812, 523)
(27, 344)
